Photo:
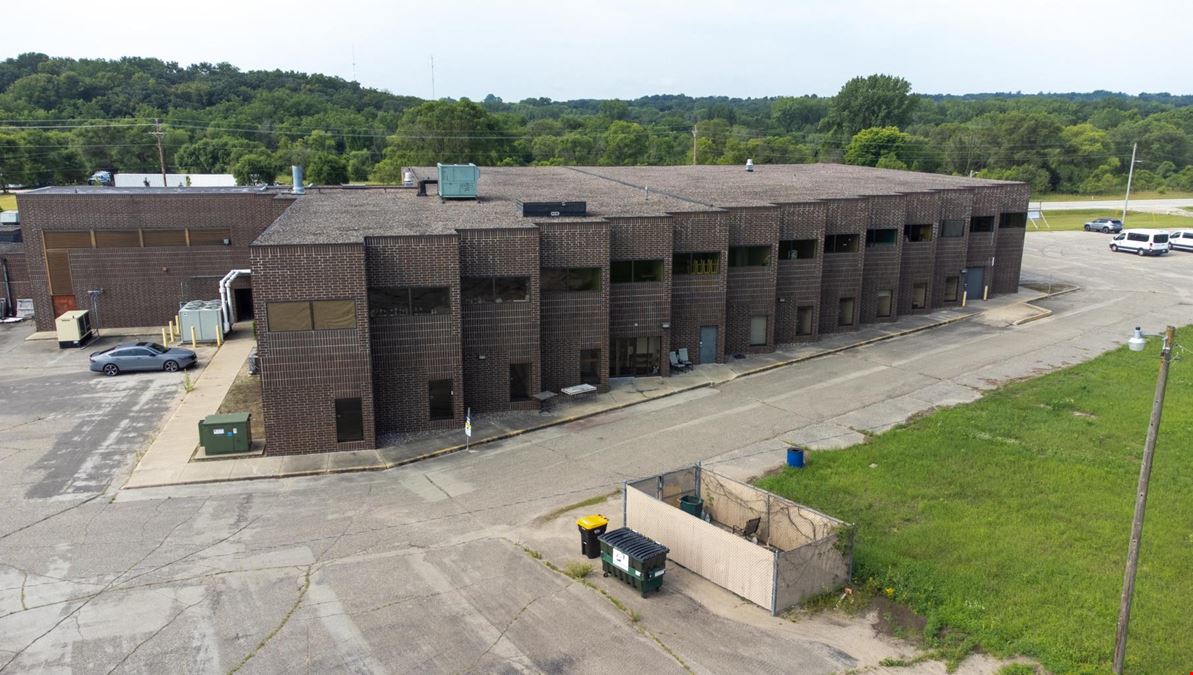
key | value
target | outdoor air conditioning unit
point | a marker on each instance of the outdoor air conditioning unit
(458, 181)
(74, 328)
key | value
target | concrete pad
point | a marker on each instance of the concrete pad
(879, 417)
(300, 464)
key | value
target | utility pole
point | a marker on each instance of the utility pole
(1130, 175)
(433, 78)
(1145, 472)
(161, 154)
(693, 145)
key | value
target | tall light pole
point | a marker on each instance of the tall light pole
(1130, 175)
(1145, 470)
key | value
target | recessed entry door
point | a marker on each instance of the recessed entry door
(708, 344)
(973, 282)
(349, 420)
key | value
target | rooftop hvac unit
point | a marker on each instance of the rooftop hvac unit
(458, 181)
(554, 209)
(205, 316)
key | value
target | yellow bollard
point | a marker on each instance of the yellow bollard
(164, 340)
(986, 292)
(194, 344)
(964, 297)
(219, 337)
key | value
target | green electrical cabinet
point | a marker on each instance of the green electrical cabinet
(225, 434)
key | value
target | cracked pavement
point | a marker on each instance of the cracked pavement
(422, 568)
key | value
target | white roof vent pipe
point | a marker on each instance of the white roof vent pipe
(750, 165)
(407, 178)
(296, 177)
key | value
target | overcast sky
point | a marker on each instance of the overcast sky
(565, 49)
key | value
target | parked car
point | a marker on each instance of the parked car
(1181, 240)
(1143, 242)
(1104, 225)
(141, 356)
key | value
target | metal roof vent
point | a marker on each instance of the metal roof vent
(458, 181)
(553, 209)
(750, 165)
(296, 178)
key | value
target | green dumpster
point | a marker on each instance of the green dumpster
(225, 434)
(635, 559)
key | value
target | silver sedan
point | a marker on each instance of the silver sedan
(141, 356)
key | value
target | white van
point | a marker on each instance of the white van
(1143, 242)
(1181, 240)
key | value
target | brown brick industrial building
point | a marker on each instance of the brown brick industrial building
(382, 311)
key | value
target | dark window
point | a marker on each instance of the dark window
(758, 331)
(803, 320)
(952, 228)
(981, 224)
(512, 289)
(884, 303)
(840, 243)
(430, 300)
(621, 271)
(883, 237)
(590, 366)
(845, 312)
(695, 263)
(951, 284)
(288, 316)
(1017, 220)
(385, 302)
(554, 279)
(919, 295)
(349, 420)
(439, 394)
(584, 279)
(749, 256)
(797, 249)
(476, 290)
(1160, 238)
(635, 271)
(519, 381)
(1135, 236)
(917, 232)
(164, 237)
(117, 239)
(210, 236)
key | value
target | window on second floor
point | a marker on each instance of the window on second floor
(883, 237)
(797, 249)
(840, 243)
(478, 290)
(635, 271)
(574, 279)
(749, 256)
(915, 233)
(695, 263)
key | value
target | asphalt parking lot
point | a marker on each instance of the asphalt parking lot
(425, 568)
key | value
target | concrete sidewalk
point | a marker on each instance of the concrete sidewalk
(171, 459)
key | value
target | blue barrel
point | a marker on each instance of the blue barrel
(795, 458)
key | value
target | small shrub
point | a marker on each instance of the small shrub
(577, 570)
(187, 384)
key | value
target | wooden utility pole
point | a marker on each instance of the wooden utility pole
(161, 154)
(1130, 175)
(693, 145)
(1145, 472)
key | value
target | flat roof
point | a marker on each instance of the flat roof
(338, 215)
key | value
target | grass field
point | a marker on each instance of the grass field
(1060, 221)
(1059, 197)
(8, 202)
(1007, 520)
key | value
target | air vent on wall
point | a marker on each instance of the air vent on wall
(553, 209)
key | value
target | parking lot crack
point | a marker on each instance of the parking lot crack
(142, 643)
(302, 593)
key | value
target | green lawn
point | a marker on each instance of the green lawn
(1008, 519)
(1059, 221)
(1060, 197)
(8, 202)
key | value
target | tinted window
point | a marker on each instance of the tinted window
(1161, 239)
(845, 312)
(917, 232)
(554, 279)
(648, 270)
(981, 224)
(840, 243)
(590, 363)
(749, 256)
(333, 314)
(475, 290)
(1135, 236)
(621, 272)
(884, 237)
(288, 316)
(797, 249)
(1017, 220)
(430, 301)
(512, 289)
(584, 279)
(952, 228)
(385, 302)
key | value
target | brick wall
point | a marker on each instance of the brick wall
(501, 333)
(798, 281)
(881, 264)
(750, 291)
(699, 300)
(841, 275)
(980, 248)
(142, 286)
(304, 372)
(951, 251)
(408, 352)
(13, 255)
(640, 309)
(573, 321)
(918, 259)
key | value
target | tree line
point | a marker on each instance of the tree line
(62, 119)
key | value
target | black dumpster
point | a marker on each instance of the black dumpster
(635, 559)
(592, 527)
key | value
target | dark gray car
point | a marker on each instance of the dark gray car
(141, 356)
(1104, 225)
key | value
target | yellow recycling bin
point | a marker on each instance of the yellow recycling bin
(592, 527)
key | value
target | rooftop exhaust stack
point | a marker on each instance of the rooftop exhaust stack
(407, 178)
(750, 165)
(296, 177)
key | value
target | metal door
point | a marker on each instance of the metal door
(973, 282)
(708, 344)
